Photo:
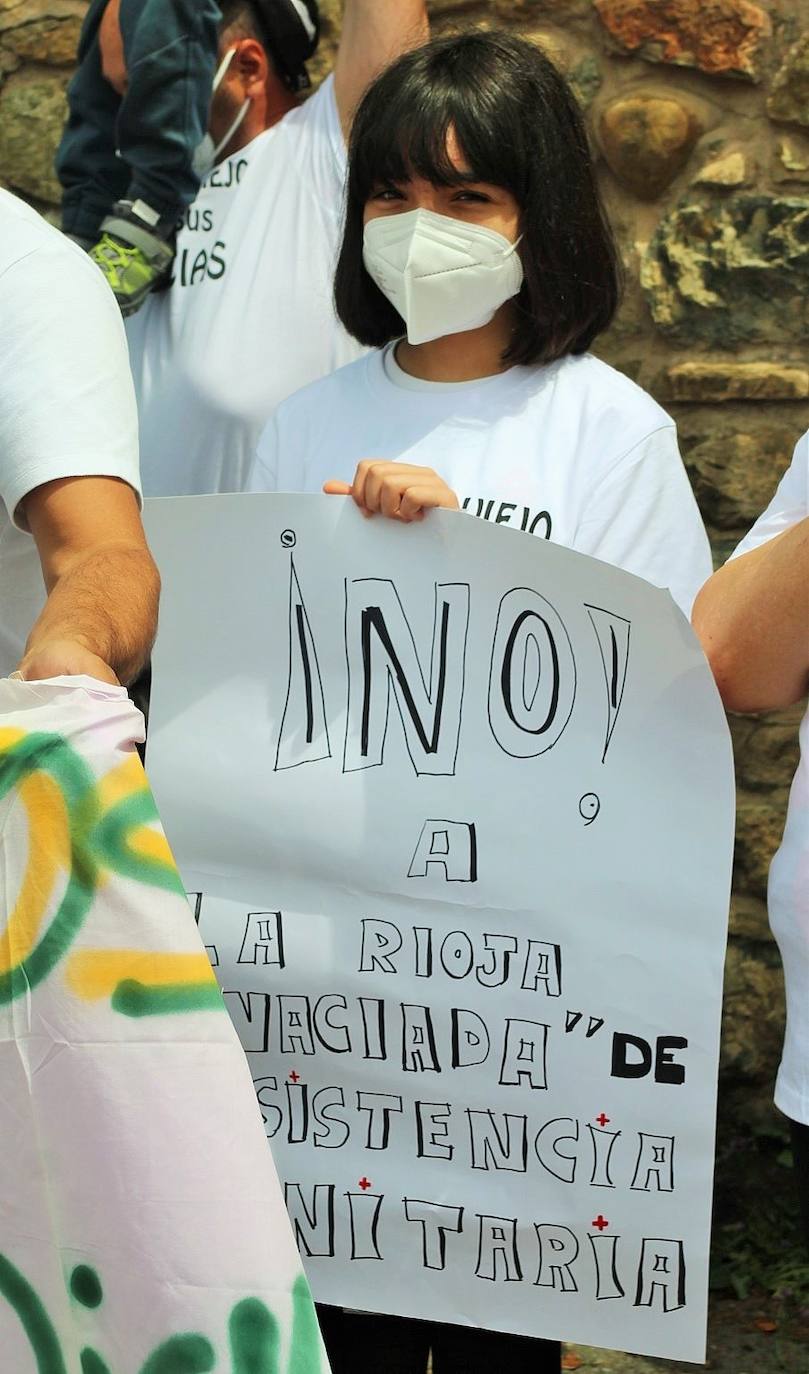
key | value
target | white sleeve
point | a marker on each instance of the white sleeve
(789, 504)
(67, 404)
(263, 474)
(320, 155)
(642, 517)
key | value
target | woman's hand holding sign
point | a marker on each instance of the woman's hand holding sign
(399, 490)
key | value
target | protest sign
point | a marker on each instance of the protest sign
(455, 810)
(142, 1228)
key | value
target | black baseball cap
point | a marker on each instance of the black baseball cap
(293, 30)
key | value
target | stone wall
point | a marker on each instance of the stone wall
(699, 113)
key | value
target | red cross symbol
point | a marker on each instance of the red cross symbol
(365, 1183)
(294, 1077)
(600, 1223)
(602, 1119)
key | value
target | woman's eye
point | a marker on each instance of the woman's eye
(387, 193)
(476, 197)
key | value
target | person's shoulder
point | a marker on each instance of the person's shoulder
(24, 232)
(31, 247)
(317, 402)
(318, 108)
(305, 148)
(314, 135)
(789, 504)
(609, 398)
(309, 423)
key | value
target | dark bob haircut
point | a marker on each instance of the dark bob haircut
(519, 127)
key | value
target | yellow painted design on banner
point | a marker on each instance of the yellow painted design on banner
(121, 782)
(81, 833)
(48, 860)
(146, 843)
(116, 786)
(94, 973)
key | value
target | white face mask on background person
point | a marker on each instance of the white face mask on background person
(206, 152)
(444, 276)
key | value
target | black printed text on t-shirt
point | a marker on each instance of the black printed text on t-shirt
(510, 513)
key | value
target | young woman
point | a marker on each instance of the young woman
(477, 260)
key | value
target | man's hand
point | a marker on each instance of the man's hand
(398, 490)
(64, 658)
(101, 614)
(373, 34)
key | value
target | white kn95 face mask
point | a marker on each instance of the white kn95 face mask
(444, 276)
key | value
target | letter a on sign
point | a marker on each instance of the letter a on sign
(446, 849)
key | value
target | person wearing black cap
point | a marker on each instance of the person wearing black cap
(135, 149)
(249, 316)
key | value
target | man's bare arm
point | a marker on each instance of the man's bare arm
(753, 619)
(374, 33)
(103, 587)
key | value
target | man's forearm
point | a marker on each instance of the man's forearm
(105, 602)
(396, 24)
(373, 34)
(753, 620)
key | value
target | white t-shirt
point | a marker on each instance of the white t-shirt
(788, 894)
(249, 318)
(67, 407)
(574, 452)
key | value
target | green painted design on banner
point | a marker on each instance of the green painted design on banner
(44, 753)
(111, 839)
(85, 1286)
(182, 1355)
(305, 1354)
(92, 1363)
(254, 1338)
(120, 839)
(36, 1323)
(131, 998)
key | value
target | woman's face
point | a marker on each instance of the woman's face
(475, 202)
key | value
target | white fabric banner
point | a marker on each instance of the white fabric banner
(142, 1227)
(455, 808)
